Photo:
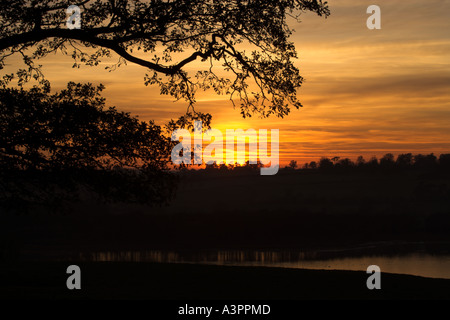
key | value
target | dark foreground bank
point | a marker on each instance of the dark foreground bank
(107, 280)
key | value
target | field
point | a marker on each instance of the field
(298, 210)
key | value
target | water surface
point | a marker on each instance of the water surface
(419, 263)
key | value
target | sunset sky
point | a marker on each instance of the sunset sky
(366, 92)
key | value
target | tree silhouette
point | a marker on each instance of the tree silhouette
(425, 161)
(387, 161)
(325, 164)
(404, 160)
(247, 39)
(373, 162)
(293, 164)
(335, 159)
(360, 161)
(345, 163)
(444, 161)
(54, 146)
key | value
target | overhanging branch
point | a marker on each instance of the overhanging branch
(89, 36)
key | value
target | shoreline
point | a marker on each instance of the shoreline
(385, 248)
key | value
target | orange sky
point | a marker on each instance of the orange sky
(366, 92)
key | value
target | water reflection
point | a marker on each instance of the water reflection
(420, 264)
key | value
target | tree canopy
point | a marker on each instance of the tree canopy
(244, 45)
(57, 147)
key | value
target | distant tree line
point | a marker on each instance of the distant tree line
(388, 161)
(221, 169)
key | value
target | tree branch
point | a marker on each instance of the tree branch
(86, 36)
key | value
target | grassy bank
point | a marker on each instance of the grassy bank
(190, 282)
